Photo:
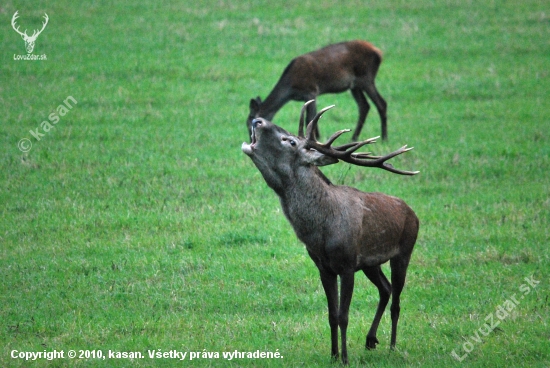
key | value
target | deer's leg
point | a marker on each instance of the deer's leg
(377, 277)
(398, 273)
(330, 285)
(380, 104)
(346, 292)
(364, 108)
(310, 114)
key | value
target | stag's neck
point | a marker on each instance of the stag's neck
(308, 182)
(308, 202)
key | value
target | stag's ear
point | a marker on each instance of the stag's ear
(255, 104)
(317, 158)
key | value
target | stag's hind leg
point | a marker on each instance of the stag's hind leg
(377, 277)
(398, 273)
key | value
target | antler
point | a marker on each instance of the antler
(347, 153)
(36, 33)
(302, 119)
(13, 19)
(24, 34)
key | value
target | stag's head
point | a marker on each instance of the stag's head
(279, 154)
(29, 40)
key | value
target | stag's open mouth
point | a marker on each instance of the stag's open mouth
(253, 137)
(249, 148)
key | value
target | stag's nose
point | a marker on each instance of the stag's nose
(257, 122)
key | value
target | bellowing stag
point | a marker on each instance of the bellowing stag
(344, 230)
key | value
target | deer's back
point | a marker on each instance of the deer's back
(334, 68)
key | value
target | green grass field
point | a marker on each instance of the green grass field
(136, 224)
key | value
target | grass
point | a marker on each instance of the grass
(137, 224)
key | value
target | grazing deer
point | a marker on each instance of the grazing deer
(344, 230)
(29, 40)
(333, 69)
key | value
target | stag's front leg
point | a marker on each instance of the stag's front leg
(331, 291)
(346, 291)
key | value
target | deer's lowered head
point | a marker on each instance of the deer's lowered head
(29, 40)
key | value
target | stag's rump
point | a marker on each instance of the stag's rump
(372, 229)
(389, 228)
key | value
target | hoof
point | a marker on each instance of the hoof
(371, 343)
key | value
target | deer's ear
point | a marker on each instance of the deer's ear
(255, 104)
(318, 159)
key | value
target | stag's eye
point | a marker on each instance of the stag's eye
(291, 141)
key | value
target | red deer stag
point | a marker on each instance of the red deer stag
(344, 230)
(333, 69)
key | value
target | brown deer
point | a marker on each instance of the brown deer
(344, 230)
(333, 69)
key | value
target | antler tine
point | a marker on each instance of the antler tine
(302, 119)
(36, 32)
(366, 160)
(14, 18)
(313, 123)
(365, 155)
(347, 153)
(335, 136)
(347, 146)
(14, 26)
(44, 23)
(380, 161)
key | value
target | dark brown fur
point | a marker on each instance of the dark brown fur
(333, 69)
(344, 230)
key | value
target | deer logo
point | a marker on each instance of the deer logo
(29, 40)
